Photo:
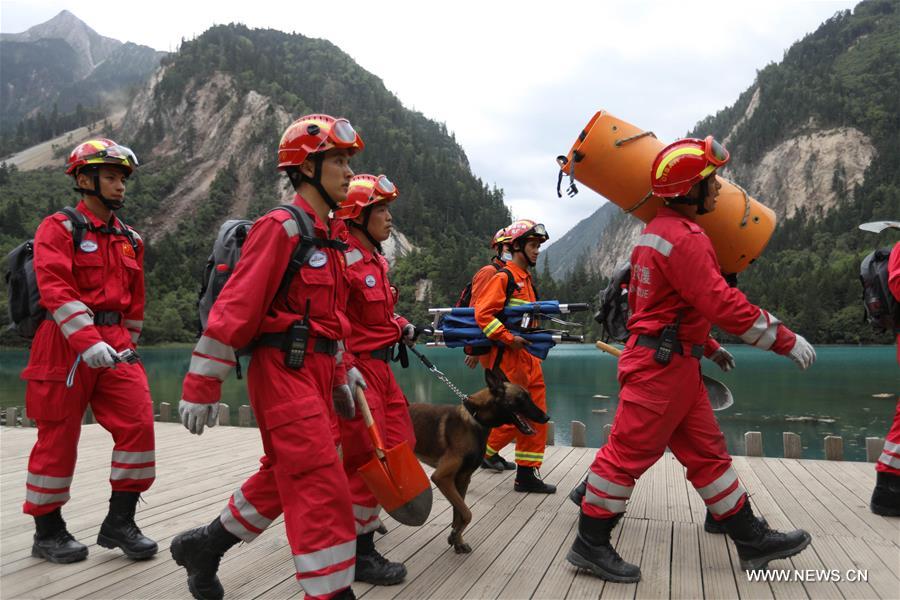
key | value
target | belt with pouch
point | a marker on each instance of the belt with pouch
(649, 341)
(385, 354)
(320, 345)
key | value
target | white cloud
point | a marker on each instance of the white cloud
(515, 81)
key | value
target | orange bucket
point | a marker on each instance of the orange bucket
(614, 158)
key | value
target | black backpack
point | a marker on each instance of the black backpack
(227, 251)
(614, 313)
(25, 310)
(882, 309)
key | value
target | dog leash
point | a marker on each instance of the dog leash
(430, 366)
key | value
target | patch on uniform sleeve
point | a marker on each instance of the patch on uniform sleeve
(127, 250)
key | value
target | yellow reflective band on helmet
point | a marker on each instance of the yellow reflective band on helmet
(709, 169)
(97, 144)
(517, 302)
(363, 183)
(673, 155)
(493, 326)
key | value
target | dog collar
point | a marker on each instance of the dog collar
(474, 412)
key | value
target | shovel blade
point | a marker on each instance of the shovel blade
(720, 396)
(399, 484)
(879, 226)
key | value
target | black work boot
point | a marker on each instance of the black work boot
(120, 531)
(497, 463)
(372, 567)
(528, 481)
(886, 495)
(710, 525)
(757, 544)
(592, 551)
(199, 551)
(578, 492)
(53, 542)
(345, 594)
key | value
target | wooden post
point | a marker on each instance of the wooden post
(874, 446)
(753, 443)
(12, 414)
(165, 412)
(834, 447)
(224, 414)
(579, 434)
(551, 433)
(604, 437)
(244, 415)
(792, 447)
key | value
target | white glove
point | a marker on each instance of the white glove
(343, 402)
(99, 355)
(196, 416)
(802, 353)
(723, 358)
(354, 378)
(409, 334)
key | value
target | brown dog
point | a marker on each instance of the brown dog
(452, 439)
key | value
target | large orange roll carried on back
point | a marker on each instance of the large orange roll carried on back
(614, 158)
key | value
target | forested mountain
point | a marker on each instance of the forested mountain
(563, 255)
(62, 74)
(206, 129)
(817, 139)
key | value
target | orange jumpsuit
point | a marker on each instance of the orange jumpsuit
(479, 280)
(519, 366)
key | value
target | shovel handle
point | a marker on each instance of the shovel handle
(609, 349)
(363, 405)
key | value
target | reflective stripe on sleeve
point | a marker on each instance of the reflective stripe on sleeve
(889, 460)
(611, 504)
(891, 447)
(353, 257)
(248, 512)
(328, 584)
(68, 309)
(651, 240)
(214, 348)
(41, 499)
(209, 367)
(492, 327)
(290, 227)
(727, 503)
(76, 323)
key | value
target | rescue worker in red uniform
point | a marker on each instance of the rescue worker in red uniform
(374, 329)
(479, 280)
(886, 495)
(94, 296)
(295, 404)
(676, 292)
(524, 238)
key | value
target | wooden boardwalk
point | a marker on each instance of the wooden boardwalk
(519, 541)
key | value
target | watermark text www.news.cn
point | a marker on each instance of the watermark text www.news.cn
(808, 575)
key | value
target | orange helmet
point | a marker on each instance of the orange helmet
(525, 229)
(500, 238)
(366, 190)
(315, 133)
(684, 163)
(101, 151)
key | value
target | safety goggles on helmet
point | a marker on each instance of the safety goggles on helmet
(341, 134)
(715, 152)
(384, 186)
(112, 155)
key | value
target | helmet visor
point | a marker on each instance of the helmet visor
(538, 231)
(385, 186)
(716, 152)
(342, 133)
(113, 154)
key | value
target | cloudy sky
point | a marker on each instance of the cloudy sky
(515, 81)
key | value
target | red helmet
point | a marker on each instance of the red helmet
(500, 238)
(100, 151)
(682, 164)
(316, 133)
(366, 190)
(525, 229)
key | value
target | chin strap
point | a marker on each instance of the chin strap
(110, 204)
(364, 227)
(316, 181)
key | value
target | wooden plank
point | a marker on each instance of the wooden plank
(676, 481)
(686, 583)
(554, 543)
(716, 568)
(881, 576)
(833, 556)
(656, 561)
(812, 503)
